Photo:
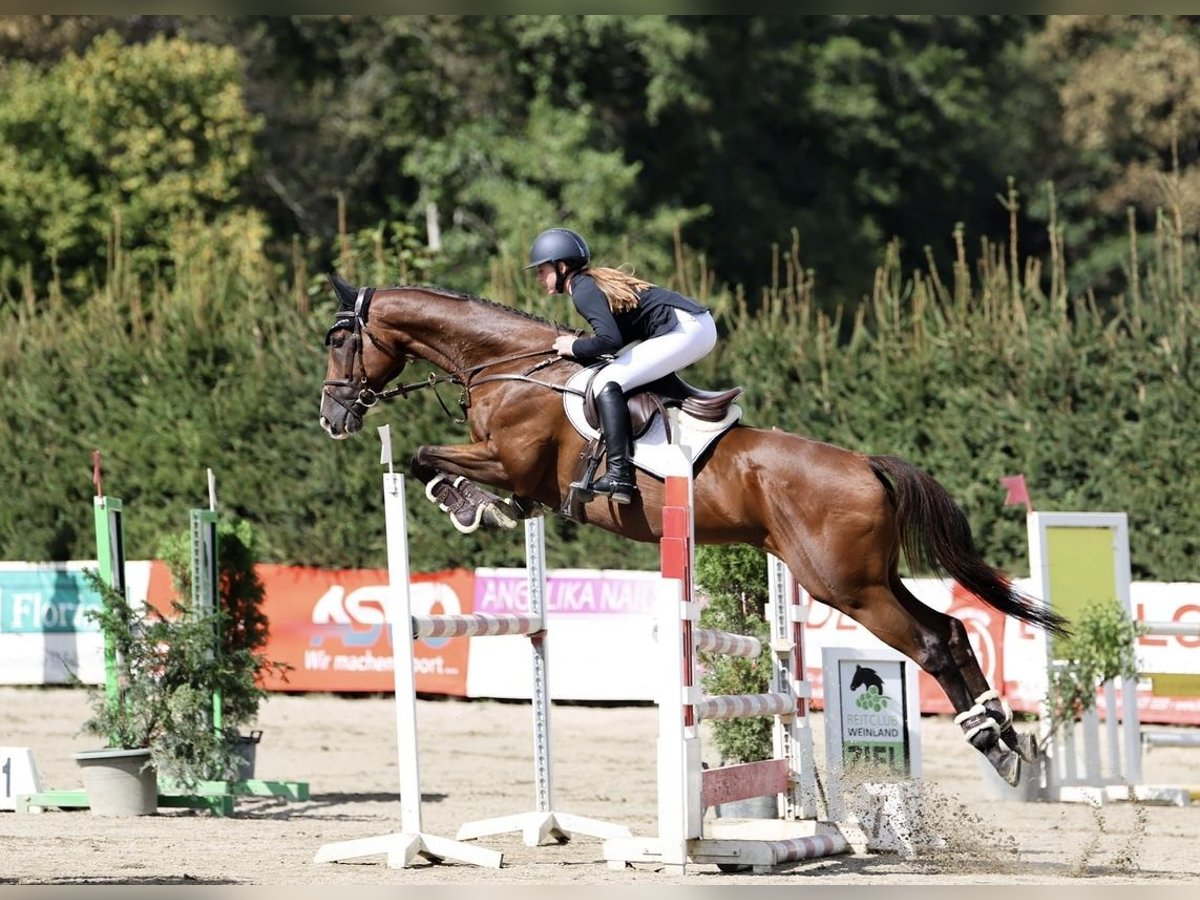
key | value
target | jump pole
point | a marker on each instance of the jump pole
(410, 841)
(685, 788)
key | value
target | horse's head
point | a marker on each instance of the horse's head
(359, 364)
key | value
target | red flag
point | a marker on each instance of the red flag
(1017, 492)
(96, 472)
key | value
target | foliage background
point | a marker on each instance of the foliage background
(966, 240)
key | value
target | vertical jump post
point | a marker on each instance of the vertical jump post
(685, 788)
(404, 846)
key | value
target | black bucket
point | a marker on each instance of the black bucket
(245, 748)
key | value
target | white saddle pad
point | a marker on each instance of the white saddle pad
(651, 451)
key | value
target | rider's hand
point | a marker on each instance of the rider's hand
(563, 344)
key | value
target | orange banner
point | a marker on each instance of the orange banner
(329, 625)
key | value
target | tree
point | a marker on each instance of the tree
(111, 147)
(1128, 89)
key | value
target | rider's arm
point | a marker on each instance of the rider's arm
(593, 306)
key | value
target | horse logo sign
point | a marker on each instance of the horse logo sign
(872, 713)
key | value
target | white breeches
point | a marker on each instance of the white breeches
(691, 339)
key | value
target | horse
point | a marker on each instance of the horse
(838, 518)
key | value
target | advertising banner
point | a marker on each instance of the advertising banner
(600, 642)
(46, 636)
(331, 626)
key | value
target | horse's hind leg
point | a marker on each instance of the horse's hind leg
(938, 643)
(987, 715)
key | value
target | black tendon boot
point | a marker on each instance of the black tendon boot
(618, 479)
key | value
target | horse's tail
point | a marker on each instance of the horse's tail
(936, 536)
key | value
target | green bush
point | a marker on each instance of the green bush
(1102, 646)
(116, 146)
(973, 374)
(734, 579)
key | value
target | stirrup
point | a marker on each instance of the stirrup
(582, 491)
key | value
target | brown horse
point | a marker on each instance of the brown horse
(837, 518)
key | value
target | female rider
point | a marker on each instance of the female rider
(667, 330)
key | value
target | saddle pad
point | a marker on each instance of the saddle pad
(651, 452)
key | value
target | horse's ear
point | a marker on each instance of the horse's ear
(345, 291)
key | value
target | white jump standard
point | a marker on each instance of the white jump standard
(685, 788)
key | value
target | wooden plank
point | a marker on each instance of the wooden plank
(676, 492)
(755, 779)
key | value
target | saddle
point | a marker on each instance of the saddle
(657, 396)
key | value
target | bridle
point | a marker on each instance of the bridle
(354, 320)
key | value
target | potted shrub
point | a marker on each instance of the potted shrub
(1103, 646)
(243, 631)
(157, 712)
(734, 580)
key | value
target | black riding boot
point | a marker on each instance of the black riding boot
(618, 479)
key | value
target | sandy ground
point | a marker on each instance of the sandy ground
(476, 763)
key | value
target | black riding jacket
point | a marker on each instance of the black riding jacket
(651, 317)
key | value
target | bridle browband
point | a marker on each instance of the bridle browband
(355, 321)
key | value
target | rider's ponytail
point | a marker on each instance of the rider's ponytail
(619, 287)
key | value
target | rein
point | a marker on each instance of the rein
(463, 377)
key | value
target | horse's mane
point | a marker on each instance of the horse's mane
(348, 293)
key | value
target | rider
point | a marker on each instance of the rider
(673, 330)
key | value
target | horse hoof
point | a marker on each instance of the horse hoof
(1009, 768)
(1027, 748)
(494, 515)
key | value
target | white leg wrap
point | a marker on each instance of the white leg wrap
(994, 694)
(976, 710)
(987, 723)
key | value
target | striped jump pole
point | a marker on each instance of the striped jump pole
(685, 788)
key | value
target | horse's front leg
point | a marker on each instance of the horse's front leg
(449, 474)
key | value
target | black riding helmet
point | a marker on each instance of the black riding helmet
(556, 245)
